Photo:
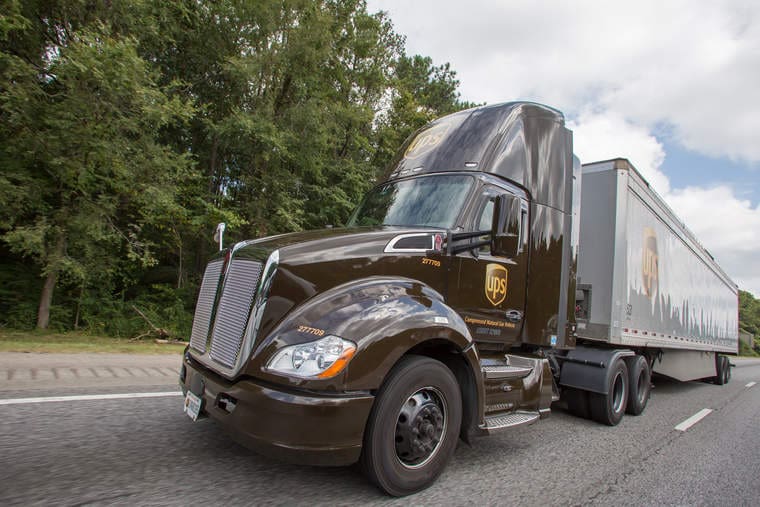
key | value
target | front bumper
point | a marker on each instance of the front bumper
(300, 428)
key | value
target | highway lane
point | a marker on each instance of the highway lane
(145, 451)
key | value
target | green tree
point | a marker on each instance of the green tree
(112, 182)
(749, 313)
(81, 151)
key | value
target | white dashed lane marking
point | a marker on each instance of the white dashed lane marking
(87, 397)
(691, 421)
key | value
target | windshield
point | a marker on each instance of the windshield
(429, 201)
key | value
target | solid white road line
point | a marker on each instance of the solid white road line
(750, 384)
(691, 421)
(88, 397)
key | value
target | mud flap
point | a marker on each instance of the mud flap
(588, 369)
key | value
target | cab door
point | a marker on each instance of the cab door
(488, 290)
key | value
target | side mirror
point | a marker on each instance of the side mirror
(505, 227)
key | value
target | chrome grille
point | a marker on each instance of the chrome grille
(205, 305)
(232, 312)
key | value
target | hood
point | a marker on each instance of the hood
(312, 262)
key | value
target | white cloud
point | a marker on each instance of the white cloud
(607, 136)
(692, 66)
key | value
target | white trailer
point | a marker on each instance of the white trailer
(646, 283)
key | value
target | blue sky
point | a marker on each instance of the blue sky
(688, 168)
(672, 86)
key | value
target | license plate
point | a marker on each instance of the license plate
(192, 405)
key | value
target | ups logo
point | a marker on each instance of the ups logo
(496, 283)
(650, 263)
(426, 141)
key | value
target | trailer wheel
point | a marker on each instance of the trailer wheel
(728, 369)
(722, 370)
(577, 402)
(639, 385)
(413, 428)
(609, 408)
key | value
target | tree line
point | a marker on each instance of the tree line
(749, 317)
(129, 128)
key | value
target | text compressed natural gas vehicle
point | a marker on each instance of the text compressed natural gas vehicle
(487, 276)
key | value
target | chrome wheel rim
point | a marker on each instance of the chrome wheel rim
(420, 427)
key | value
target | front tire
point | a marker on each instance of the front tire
(609, 408)
(413, 427)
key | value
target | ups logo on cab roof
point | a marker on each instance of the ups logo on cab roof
(426, 141)
(496, 283)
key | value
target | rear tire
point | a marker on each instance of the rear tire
(728, 369)
(609, 408)
(721, 365)
(413, 427)
(639, 385)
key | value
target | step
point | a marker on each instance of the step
(504, 371)
(499, 407)
(499, 422)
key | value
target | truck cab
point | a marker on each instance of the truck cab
(444, 309)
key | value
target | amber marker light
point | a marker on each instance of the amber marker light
(339, 363)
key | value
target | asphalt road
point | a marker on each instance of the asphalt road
(145, 451)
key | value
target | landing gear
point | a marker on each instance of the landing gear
(414, 426)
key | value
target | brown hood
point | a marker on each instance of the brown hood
(313, 262)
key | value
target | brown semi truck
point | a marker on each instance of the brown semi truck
(474, 286)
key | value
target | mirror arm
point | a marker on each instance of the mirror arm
(469, 235)
(470, 246)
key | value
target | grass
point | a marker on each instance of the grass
(49, 342)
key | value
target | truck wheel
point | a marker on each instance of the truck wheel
(639, 385)
(720, 370)
(577, 402)
(413, 428)
(609, 408)
(728, 369)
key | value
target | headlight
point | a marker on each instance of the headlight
(323, 358)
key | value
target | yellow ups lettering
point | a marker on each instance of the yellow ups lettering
(496, 283)
(426, 141)
(650, 262)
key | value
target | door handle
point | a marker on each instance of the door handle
(514, 315)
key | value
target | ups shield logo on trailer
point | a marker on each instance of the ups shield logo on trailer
(496, 283)
(650, 263)
(426, 140)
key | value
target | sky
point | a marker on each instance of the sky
(672, 86)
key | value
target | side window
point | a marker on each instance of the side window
(486, 217)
